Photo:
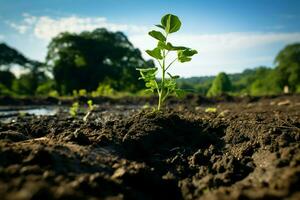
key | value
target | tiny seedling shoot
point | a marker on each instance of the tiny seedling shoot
(74, 109)
(90, 109)
(167, 84)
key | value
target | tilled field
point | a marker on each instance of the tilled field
(242, 151)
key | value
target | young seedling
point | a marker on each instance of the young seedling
(211, 110)
(166, 86)
(90, 105)
(74, 109)
(90, 109)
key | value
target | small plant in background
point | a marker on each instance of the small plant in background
(166, 86)
(90, 109)
(22, 113)
(53, 93)
(82, 92)
(103, 90)
(74, 109)
(90, 104)
(211, 110)
(75, 93)
(220, 85)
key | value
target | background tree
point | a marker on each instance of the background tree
(84, 60)
(7, 78)
(9, 56)
(288, 67)
(221, 84)
(263, 82)
(27, 83)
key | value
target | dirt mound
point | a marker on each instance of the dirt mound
(242, 151)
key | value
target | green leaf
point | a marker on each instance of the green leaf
(184, 59)
(170, 84)
(173, 77)
(147, 69)
(169, 46)
(155, 53)
(163, 45)
(189, 52)
(147, 74)
(157, 35)
(151, 84)
(149, 90)
(160, 26)
(175, 48)
(171, 23)
(185, 55)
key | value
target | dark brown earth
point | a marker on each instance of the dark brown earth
(245, 150)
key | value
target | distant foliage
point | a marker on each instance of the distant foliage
(7, 78)
(47, 88)
(27, 83)
(264, 82)
(9, 56)
(288, 67)
(86, 59)
(221, 84)
(102, 63)
(104, 89)
(4, 91)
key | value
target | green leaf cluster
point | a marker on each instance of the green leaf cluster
(74, 109)
(167, 85)
(90, 104)
(148, 75)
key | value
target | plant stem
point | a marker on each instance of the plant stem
(161, 96)
(161, 92)
(159, 101)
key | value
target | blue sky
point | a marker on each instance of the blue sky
(230, 35)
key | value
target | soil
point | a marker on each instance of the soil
(248, 149)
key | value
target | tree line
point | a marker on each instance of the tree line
(285, 77)
(99, 62)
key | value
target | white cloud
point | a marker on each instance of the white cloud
(46, 27)
(25, 25)
(21, 28)
(1, 37)
(29, 19)
(223, 42)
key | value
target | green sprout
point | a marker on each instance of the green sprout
(74, 109)
(90, 109)
(211, 110)
(166, 86)
(90, 105)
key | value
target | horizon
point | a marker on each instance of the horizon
(229, 37)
